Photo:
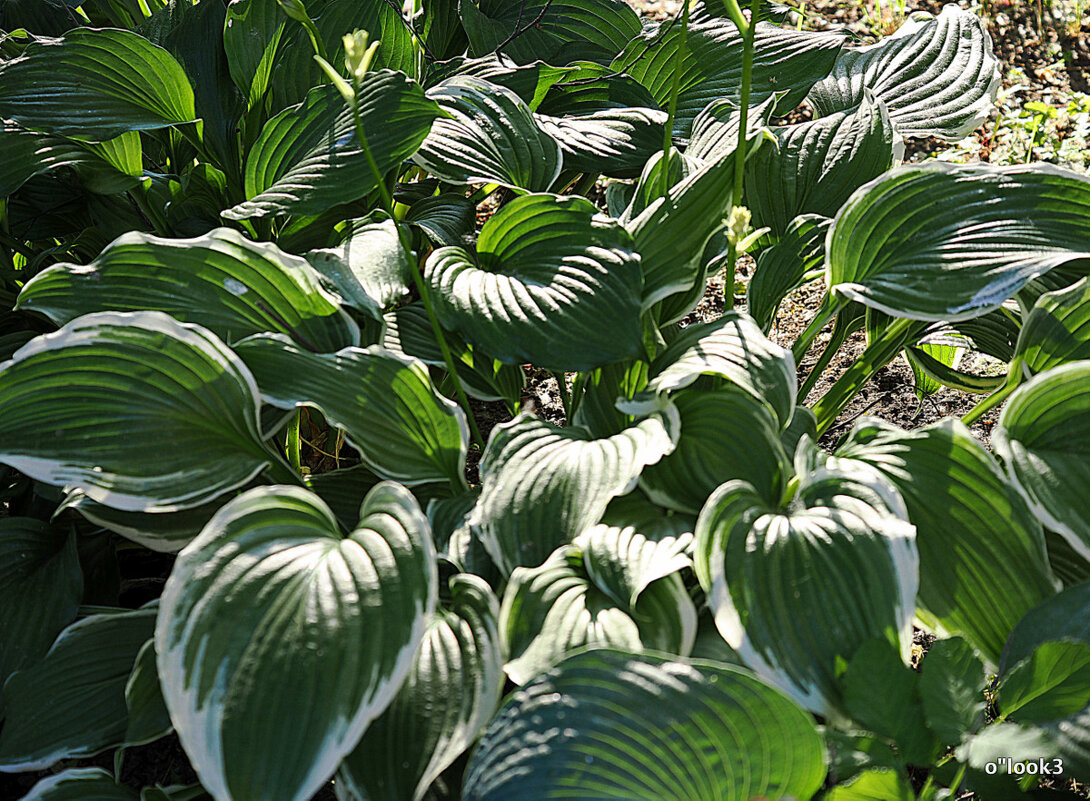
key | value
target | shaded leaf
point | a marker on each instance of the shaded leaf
(309, 159)
(95, 85)
(613, 725)
(72, 703)
(543, 484)
(387, 405)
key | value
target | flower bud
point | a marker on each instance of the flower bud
(357, 55)
(738, 224)
(294, 9)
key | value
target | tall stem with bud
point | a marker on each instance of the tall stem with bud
(358, 55)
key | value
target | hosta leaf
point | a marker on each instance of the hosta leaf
(441, 27)
(1067, 565)
(624, 561)
(715, 129)
(41, 17)
(949, 242)
(487, 133)
(816, 165)
(1061, 619)
(557, 32)
(556, 608)
(72, 703)
(81, 406)
(952, 690)
(882, 694)
(167, 532)
(148, 716)
(1008, 741)
(530, 81)
(938, 76)
(587, 87)
(1053, 682)
(803, 424)
(1043, 440)
(1062, 616)
(884, 784)
(308, 157)
(193, 34)
(844, 538)
(735, 349)
(616, 142)
(446, 219)
(542, 484)
(553, 283)
(994, 333)
(982, 553)
(725, 434)
(343, 490)
(95, 85)
(222, 281)
(611, 725)
(387, 405)
(451, 692)
(784, 266)
(41, 587)
(108, 167)
(369, 268)
(783, 61)
(648, 189)
(596, 393)
(1057, 329)
(935, 365)
(81, 784)
(670, 234)
(251, 36)
(279, 639)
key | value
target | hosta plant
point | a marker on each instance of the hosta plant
(276, 274)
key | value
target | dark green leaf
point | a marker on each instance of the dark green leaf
(95, 85)
(612, 725)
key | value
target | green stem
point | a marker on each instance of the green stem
(292, 444)
(1014, 380)
(281, 472)
(748, 39)
(585, 184)
(841, 331)
(675, 91)
(959, 777)
(828, 309)
(748, 30)
(315, 38)
(729, 271)
(876, 356)
(418, 279)
(734, 11)
(482, 194)
(565, 396)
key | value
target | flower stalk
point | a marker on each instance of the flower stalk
(358, 57)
